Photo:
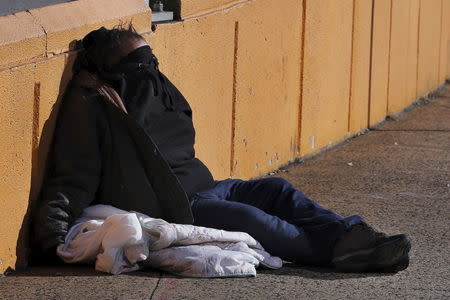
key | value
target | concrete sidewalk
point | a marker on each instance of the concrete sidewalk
(397, 176)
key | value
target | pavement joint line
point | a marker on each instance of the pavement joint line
(156, 286)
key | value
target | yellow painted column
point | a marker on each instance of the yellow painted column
(326, 73)
(429, 46)
(411, 74)
(444, 41)
(267, 76)
(398, 66)
(359, 93)
(446, 8)
(239, 68)
(380, 61)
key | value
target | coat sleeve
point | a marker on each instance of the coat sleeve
(75, 167)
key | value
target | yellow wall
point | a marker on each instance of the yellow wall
(238, 84)
(326, 73)
(445, 34)
(192, 8)
(267, 86)
(379, 79)
(267, 82)
(429, 45)
(412, 52)
(403, 57)
(16, 140)
(21, 39)
(446, 8)
(360, 76)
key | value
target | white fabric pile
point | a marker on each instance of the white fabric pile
(119, 241)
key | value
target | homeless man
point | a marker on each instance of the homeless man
(125, 137)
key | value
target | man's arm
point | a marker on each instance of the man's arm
(75, 168)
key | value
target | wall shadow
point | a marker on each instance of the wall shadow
(40, 154)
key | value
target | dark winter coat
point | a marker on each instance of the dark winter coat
(102, 155)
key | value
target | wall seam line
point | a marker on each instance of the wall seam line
(350, 98)
(370, 66)
(302, 74)
(407, 53)
(389, 60)
(43, 29)
(440, 41)
(234, 98)
(418, 49)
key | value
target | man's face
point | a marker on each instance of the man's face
(128, 44)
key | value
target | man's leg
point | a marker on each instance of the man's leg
(280, 217)
(290, 225)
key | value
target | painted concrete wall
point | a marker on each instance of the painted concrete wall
(444, 65)
(266, 90)
(247, 89)
(194, 8)
(403, 54)
(446, 8)
(412, 52)
(10, 7)
(268, 83)
(326, 73)
(430, 29)
(379, 77)
(360, 74)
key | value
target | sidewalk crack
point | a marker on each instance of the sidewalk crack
(156, 286)
(43, 29)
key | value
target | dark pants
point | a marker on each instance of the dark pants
(280, 217)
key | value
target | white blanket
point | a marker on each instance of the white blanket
(119, 241)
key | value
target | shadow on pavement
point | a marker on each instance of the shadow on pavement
(318, 273)
(74, 270)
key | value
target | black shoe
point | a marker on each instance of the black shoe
(363, 249)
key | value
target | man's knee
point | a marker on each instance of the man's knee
(277, 183)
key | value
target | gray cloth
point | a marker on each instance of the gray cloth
(120, 241)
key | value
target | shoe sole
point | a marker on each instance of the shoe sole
(390, 257)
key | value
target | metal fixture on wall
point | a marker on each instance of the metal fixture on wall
(159, 15)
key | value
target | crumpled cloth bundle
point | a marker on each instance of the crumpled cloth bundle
(119, 241)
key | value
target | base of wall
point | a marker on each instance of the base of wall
(424, 100)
